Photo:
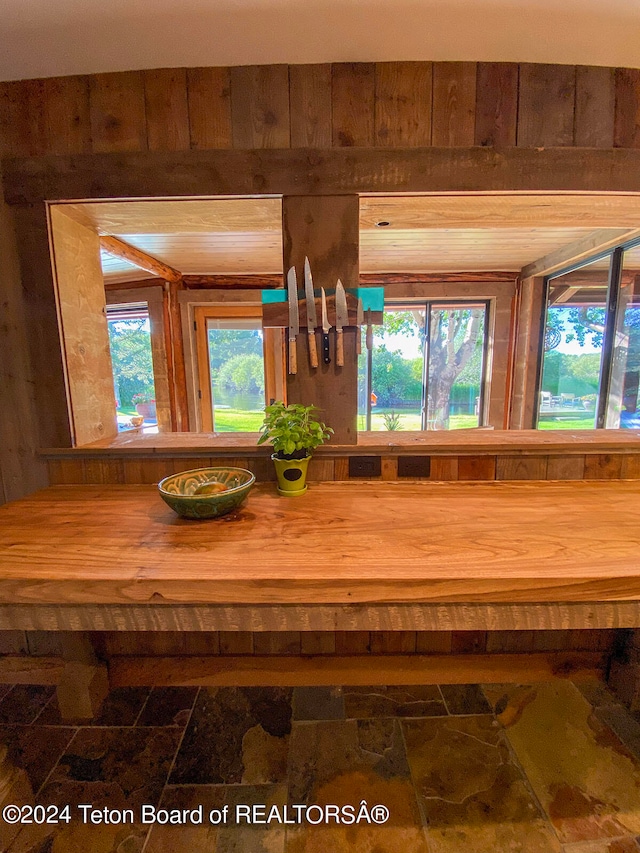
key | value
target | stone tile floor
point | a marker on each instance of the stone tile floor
(543, 768)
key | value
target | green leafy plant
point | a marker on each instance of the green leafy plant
(391, 420)
(293, 430)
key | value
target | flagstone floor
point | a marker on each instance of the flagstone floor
(546, 768)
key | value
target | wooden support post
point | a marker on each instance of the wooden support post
(326, 230)
(624, 672)
(176, 368)
(85, 682)
(529, 322)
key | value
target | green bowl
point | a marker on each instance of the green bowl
(178, 491)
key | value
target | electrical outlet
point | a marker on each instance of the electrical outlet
(365, 466)
(414, 466)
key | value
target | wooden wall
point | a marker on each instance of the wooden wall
(103, 468)
(387, 105)
(196, 643)
(21, 471)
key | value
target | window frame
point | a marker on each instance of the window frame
(439, 302)
(616, 263)
(273, 355)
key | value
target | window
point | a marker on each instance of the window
(573, 347)
(623, 405)
(132, 365)
(591, 361)
(239, 367)
(427, 369)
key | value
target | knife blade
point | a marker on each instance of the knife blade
(359, 323)
(294, 319)
(312, 319)
(342, 320)
(326, 325)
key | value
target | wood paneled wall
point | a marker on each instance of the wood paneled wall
(20, 469)
(388, 105)
(130, 468)
(397, 105)
(346, 642)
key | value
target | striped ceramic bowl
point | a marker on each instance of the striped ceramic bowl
(178, 491)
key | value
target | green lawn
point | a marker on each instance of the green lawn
(412, 420)
(579, 423)
(234, 420)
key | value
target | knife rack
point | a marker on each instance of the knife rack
(276, 314)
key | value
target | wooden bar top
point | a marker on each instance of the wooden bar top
(341, 543)
(459, 442)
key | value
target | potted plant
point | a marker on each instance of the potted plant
(294, 432)
(145, 404)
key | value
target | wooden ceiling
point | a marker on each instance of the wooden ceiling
(433, 233)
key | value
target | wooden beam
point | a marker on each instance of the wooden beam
(592, 244)
(326, 231)
(22, 669)
(273, 280)
(120, 249)
(328, 670)
(110, 286)
(238, 282)
(336, 171)
(381, 279)
(561, 295)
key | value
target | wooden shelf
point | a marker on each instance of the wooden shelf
(459, 442)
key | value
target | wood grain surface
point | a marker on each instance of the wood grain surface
(457, 442)
(347, 543)
(316, 671)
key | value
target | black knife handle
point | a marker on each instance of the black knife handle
(325, 348)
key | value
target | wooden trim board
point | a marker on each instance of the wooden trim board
(276, 671)
(550, 616)
(22, 669)
(338, 171)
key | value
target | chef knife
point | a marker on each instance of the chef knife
(326, 325)
(312, 320)
(359, 324)
(294, 319)
(342, 320)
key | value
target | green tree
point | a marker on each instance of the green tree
(224, 343)
(456, 335)
(243, 374)
(393, 378)
(455, 344)
(131, 359)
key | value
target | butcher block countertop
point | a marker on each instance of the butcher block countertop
(351, 543)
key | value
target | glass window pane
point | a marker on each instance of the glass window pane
(623, 408)
(456, 366)
(236, 364)
(396, 375)
(573, 346)
(401, 398)
(132, 364)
